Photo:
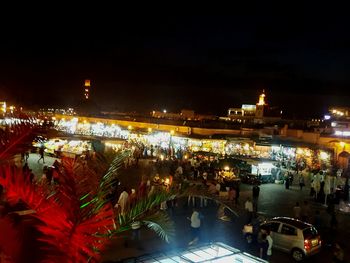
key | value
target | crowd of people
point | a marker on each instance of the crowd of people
(201, 171)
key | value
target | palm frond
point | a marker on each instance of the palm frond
(15, 138)
(144, 206)
(161, 224)
(70, 238)
(201, 191)
(146, 210)
(108, 179)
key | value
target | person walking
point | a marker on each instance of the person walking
(26, 156)
(41, 153)
(195, 226)
(256, 192)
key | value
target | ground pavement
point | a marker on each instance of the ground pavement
(37, 167)
(274, 200)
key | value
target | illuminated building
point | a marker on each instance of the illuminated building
(2, 107)
(258, 113)
(183, 115)
(87, 89)
(260, 106)
(339, 112)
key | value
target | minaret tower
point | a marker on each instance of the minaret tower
(259, 113)
(87, 89)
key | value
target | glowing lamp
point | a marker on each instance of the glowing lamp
(342, 144)
(226, 168)
(324, 155)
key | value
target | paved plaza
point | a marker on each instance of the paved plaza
(274, 200)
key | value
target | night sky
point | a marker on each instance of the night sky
(206, 63)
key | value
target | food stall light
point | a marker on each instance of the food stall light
(172, 132)
(185, 156)
(226, 168)
(342, 144)
(162, 157)
(324, 155)
(327, 117)
(167, 181)
(149, 129)
(130, 127)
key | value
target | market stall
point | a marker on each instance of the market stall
(240, 149)
(59, 146)
(264, 170)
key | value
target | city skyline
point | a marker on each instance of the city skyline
(205, 63)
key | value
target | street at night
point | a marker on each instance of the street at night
(177, 138)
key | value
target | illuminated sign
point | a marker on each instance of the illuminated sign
(248, 107)
(342, 133)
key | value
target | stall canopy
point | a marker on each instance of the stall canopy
(215, 253)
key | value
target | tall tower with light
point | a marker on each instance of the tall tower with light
(259, 113)
(87, 86)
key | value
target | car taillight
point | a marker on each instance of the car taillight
(307, 244)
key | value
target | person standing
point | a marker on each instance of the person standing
(256, 192)
(263, 246)
(249, 208)
(123, 201)
(135, 227)
(317, 220)
(297, 210)
(195, 226)
(287, 182)
(338, 254)
(301, 181)
(270, 243)
(305, 211)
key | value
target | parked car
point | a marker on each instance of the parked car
(293, 236)
(249, 178)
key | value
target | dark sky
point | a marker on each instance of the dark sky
(207, 63)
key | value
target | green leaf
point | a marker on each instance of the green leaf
(161, 224)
